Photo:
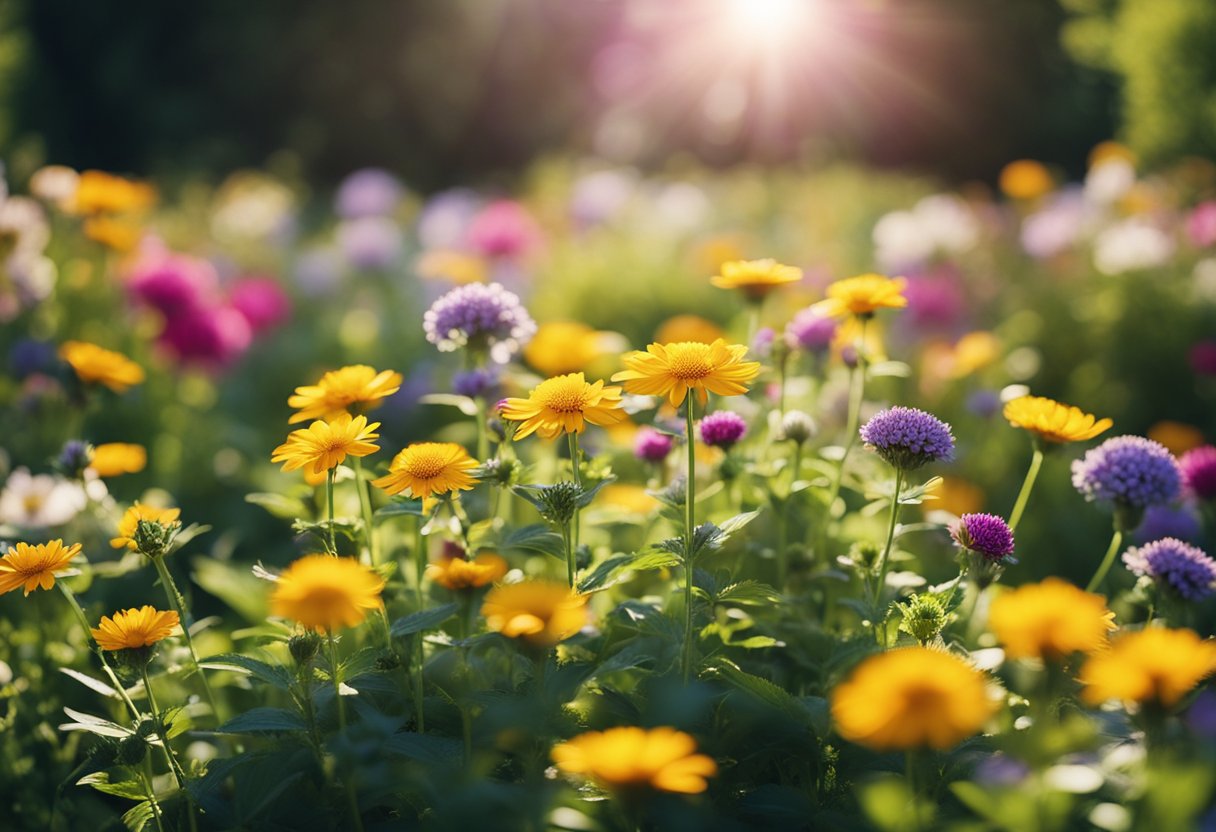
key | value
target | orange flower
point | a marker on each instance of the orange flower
(113, 459)
(34, 567)
(135, 628)
(94, 364)
(458, 573)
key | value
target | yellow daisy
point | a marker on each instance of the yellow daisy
(98, 192)
(1052, 421)
(673, 369)
(863, 295)
(113, 459)
(93, 364)
(564, 405)
(688, 328)
(1050, 620)
(357, 386)
(130, 522)
(323, 446)
(1153, 665)
(564, 347)
(912, 697)
(628, 758)
(540, 612)
(427, 468)
(1025, 179)
(134, 628)
(122, 235)
(458, 573)
(325, 593)
(35, 566)
(755, 278)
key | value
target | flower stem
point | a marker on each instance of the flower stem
(179, 606)
(690, 526)
(886, 552)
(568, 543)
(913, 787)
(336, 677)
(419, 559)
(329, 498)
(105, 663)
(572, 439)
(419, 682)
(178, 774)
(146, 772)
(1032, 474)
(483, 434)
(857, 383)
(1107, 561)
(365, 505)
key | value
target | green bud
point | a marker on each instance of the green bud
(131, 750)
(153, 539)
(924, 618)
(559, 502)
(303, 647)
(865, 554)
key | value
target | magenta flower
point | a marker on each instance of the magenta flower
(722, 429)
(261, 300)
(985, 534)
(1198, 467)
(651, 445)
(504, 228)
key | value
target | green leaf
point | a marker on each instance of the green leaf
(615, 568)
(423, 620)
(273, 675)
(464, 404)
(749, 592)
(263, 720)
(400, 508)
(279, 505)
(880, 369)
(734, 524)
(426, 748)
(536, 537)
(100, 780)
(138, 816)
(93, 724)
(89, 682)
(764, 690)
(233, 584)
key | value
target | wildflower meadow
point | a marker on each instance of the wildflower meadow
(608, 496)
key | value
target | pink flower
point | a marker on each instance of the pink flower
(261, 300)
(170, 282)
(212, 337)
(504, 228)
(1201, 225)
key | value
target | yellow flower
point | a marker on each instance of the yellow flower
(756, 278)
(1025, 179)
(1050, 620)
(564, 347)
(1052, 421)
(358, 386)
(974, 351)
(957, 496)
(115, 458)
(458, 573)
(673, 369)
(130, 522)
(912, 697)
(1153, 665)
(98, 192)
(663, 759)
(134, 628)
(688, 328)
(564, 405)
(122, 235)
(1177, 437)
(32, 567)
(93, 364)
(1109, 151)
(427, 468)
(451, 265)
(863, 295)
(631, 498)
(325, 445)
(540, 612)
(325, 593)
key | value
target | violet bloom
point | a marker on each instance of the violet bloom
(722, 429)
(172, 283)
(1185, 569)
(986, 535)
(318, 271)
(934, 301)
(762, 342)
(371, 242)
(474, 383)
(651, 445)
(908, 438)
(74, 457)
(1129, 471)
(445, 218)
(1198, 467)
(28, 356)
(261, 300)
(1167, 521)
(811, 332)
(370, 192)
(481, 317)
(504, 228)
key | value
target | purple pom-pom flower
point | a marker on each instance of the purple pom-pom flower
(651, 445)
(474, 383)
(482, 317)
(1183, 568)
(1198, 467)
(986, 535)
(1129, 471)
(810, 331)
(1182, 522)
(722, 429)
(908, 438)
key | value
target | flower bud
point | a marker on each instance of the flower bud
(303, 647)
(924, 618)
(797, 426)
(153, 538)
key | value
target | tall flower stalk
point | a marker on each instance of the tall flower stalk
(690, 526)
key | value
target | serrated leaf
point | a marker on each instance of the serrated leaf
(764, 690)
(278, 677)
(749, 592)
(263, 720)
(400, 508)
(100, 781)
(536, 537)
(137, 817)
(423, 620)
(734, 524)
(612, 570)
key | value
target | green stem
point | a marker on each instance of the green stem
(1107, 561)
(336, 677)
(178, 602)
(857, 383)
(913, 787)
(886, 552)
(178, 774)
(419, 690)
(483, 435)
(365, 506)
(1032, 474)
(690, 498)
(105, 663)
(146, 771)
(571, 565)
(575, 468)
(419, 559)
(329, 499)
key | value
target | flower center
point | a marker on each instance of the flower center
(424, 464)
(689, 361)
(32, 503)
(564, 395)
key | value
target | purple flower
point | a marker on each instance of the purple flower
(504, 228)
(172, 283)
(370, 192)
(474, 383)
(482, 317)
(371, 242)
(1167, 521)
(1129, 471)
(984, 403)
(1184, 568)
(261, 300)
(74, 457)
(651, 445)
(212, 337)
(1201, 716)
(985, 534)
(908, 438)
(445, 217)
(722, 429)
(762, 342)
(934, 300)
(28, 356)
(1198, 467)
(318, 271)
(810, 331)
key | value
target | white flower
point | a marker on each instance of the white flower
(938, 224)
(1109, 180)
(1131, 245)
(39, 501)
